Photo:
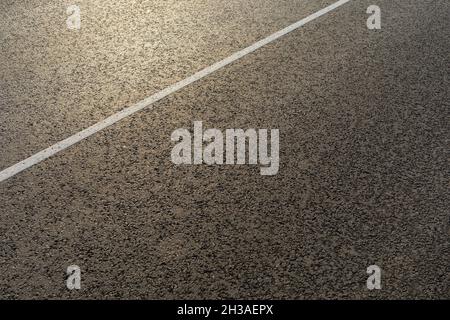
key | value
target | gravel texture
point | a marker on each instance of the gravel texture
(364, 175)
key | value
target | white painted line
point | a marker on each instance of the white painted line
(66, 143)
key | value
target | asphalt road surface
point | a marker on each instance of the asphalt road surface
(364, 175)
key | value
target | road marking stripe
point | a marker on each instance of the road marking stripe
(66, 143)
